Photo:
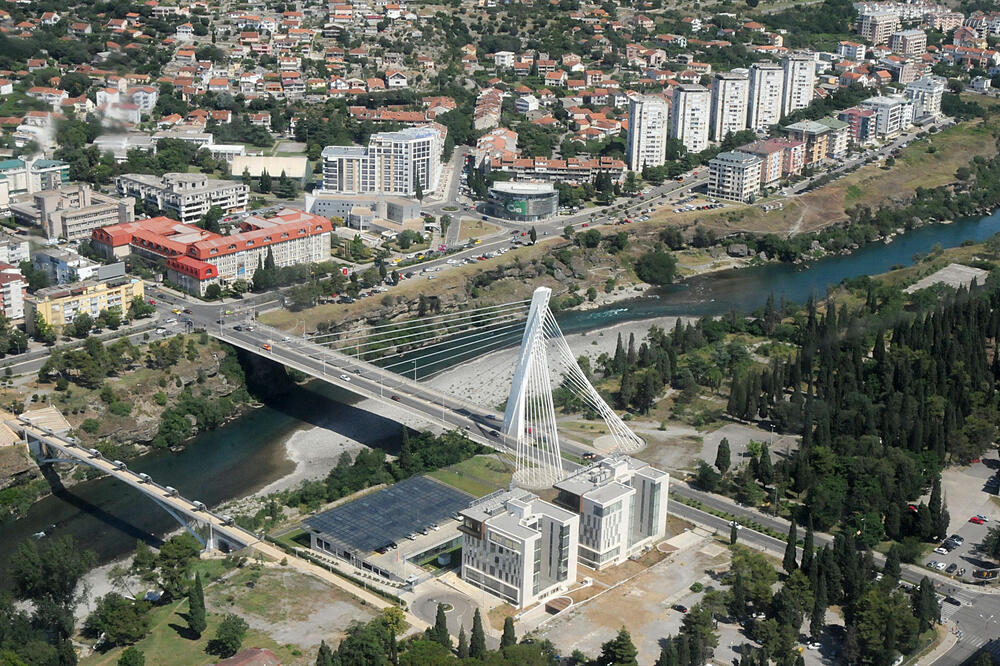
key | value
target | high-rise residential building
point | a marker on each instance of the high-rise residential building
(692, 105)
(734, 176)
(780, 158)
(799, 82)
(648, 120)
(861, 124)
(519, 547)
(767, 84)
(851, 50)
(893, 114)
(838, 139)
(186, 196)
(730, 95)
(12, 290)
(877, 25)
(816, 137)
(926, 95)
(908, 42)
(405, 163)
(72, 211)
(622, 504)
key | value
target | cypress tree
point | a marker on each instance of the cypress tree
(683, 650)
(734, 533)
(619, 360)
(789, 563)
(463, 644)
(477, 645)
(325, 656)
(668, 653)
(197, 620)
(509, 637)
(808, 546)
(723, 457)
(891, 570)
(765, 471)
(440, 631)
(817, 621)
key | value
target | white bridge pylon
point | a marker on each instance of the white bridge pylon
(530, 416)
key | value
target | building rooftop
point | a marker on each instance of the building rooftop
(511, 187)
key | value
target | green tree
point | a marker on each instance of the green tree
(174, 561)
(722, 457)
(925, 603)
(619, 651)
(509, 637)
(532, 234)
(765, 471)
(440, 630)
(463, 644)
(734, 533)
(264, 182)
(43, 330)
(789, 563)
(213, 292)
(325, 655)
(119, 620)
(477, 643)
(568, 232)
(197, 619)
(48, 570)
(656, 267)
(228, 637)
(132, 656)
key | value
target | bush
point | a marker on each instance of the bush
(119, 408)
(90, 426)
(697, 587)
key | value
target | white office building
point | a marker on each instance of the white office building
(799, 81)
(622, 504)
(893, 114)
(648, 121)
(767, 84)
(185, 196)
(393, 163)
(692, 108)
(926, 95)
(519, 547)
(734, 176)
(730, 95)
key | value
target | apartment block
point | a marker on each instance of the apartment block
(908, 42)
(690, 115)
(648, 123)
(799, 73)
(13, 288)
(838, 137)
(622, 504)
(33, 175)
(767, 85)
(188, 196)
(402, 163)
(519, 547)
(780, 158)
(877, 25)
(926, 95)
(815, 136)
(14, 250)
(59, 305)
(72, 212)
(730, 96)
(734, 176)
(852, 51)
(861, 124)
(893, 114)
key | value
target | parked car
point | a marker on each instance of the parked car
(977, 520)
(680, 608)
(952, 568)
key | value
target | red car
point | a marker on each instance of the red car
(585, 225)
(977, 520)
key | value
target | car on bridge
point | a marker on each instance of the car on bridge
(266, 346)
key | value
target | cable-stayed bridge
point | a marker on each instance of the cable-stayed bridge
(385, 361)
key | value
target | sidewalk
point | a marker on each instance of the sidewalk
(943, 646)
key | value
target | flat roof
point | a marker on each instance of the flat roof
(511, 187)
(389, 514)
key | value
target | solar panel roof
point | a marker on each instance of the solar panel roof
(389, 514)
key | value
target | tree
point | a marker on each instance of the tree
(722, 457)
(175, 559)
(210, 220)
(568, 232)
(213, 291)
(119, 620)
(509, 637)
(656, 267)
(228, 637)
(808, 546)
(477, 644)
(765, 472)
(286, 187)
(532, 234)
(264, 182)
(83, 323)
(619, 651)
(132, 657)
(197, 620)
(734, 533)
(43, 330)
(463, 644)
(925, 603)
(48, 570)
(439, 632)
(325, 655)
(789, 563)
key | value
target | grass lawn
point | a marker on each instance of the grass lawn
(472, 229)
(167, 643)
(478, 476)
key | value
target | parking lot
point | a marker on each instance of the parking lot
(969, 492)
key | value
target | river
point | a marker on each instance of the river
(248, 453)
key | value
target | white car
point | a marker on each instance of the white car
(941, 551)
(345, 378)
(940, 566)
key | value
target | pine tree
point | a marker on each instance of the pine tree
(325, 656)
(808, 546)
(440, 630)
(817, 621)
(246, 176)
(532, 234)
(463, 644)
(197, 620)
(683, 650)
(619, 360)
(509, 637)
(765, 472)
(477, 644)
(619, 651)
(789, 563)
(723, 457)
(926, 605)
(935, 503)
(264, 182)
(734, 533)
(891, 570)
(668, 654)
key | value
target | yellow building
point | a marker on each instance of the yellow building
(59, 305)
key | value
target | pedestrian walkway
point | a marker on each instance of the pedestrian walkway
(942, 648)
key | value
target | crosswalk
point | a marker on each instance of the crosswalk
(947, 610)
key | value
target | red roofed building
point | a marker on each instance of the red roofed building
(197, 258)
